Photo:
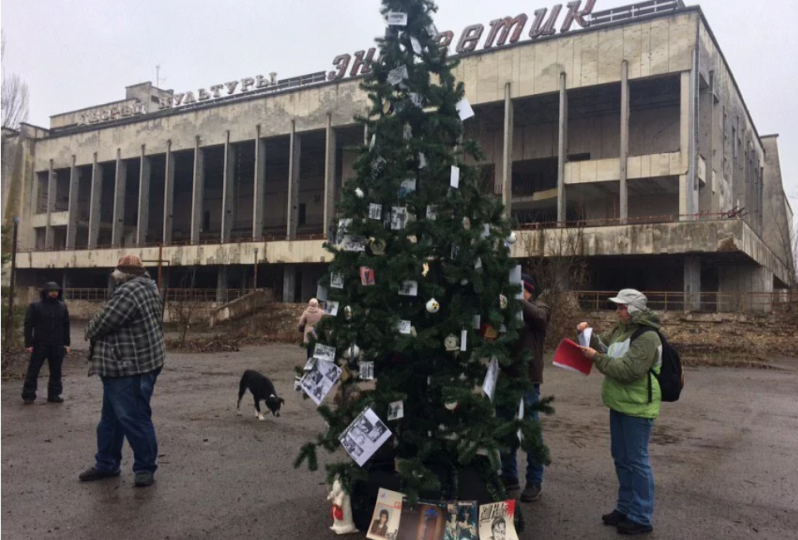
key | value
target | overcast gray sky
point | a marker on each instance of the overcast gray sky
(79, 53)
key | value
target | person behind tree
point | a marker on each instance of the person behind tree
(46, 338)
(626, 356)
(308, 320)
(531, 337)
(128, 354)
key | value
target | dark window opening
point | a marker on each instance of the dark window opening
(302, 216)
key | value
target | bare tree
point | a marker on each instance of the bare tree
(14, 95)
(554, 257)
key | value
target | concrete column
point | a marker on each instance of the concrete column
(507, 152)
(118, 228)
(623, 203)
(687, 145)
(562, 151)
(74, 210)
(51, 188)
(228, 189)
(94, 202)
(692, 283)
(168, 194)
(221, 285)
(142, 223)
(198, 191)
(293, 182)
(289, 283)
(259, 186)
(329, 174)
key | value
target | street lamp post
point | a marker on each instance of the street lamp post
(10, 319)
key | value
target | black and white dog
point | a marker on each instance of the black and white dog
(262, 390)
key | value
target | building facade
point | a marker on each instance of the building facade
(622, 129)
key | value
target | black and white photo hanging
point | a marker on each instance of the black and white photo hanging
(432, 212)
(353, 243)
(366, 372)
(409, 288)
(331, 308)
(422, 160)
(375, 211)
(323, 352)
(337, 280)
(398, 218)
(318, 382)
(364, 436)
(396, 410)
(404, 327)
(397, 75)
(407, 187)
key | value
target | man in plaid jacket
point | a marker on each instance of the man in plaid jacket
(127, 352)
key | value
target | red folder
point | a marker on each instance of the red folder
(569, 356)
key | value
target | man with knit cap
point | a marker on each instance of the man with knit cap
(46, 338)
(127, 354)
(531, 336)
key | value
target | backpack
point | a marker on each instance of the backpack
(671, 373)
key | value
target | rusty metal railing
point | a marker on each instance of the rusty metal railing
(707, 302)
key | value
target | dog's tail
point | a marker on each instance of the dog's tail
(242, 388)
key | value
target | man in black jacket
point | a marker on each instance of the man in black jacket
(46, 338)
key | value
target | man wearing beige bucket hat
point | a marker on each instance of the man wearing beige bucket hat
(127, 354)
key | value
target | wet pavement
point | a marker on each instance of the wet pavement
(724, 458)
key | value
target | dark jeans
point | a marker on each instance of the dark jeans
(629, 442)
(127, 415)
(534, 471)
(54, 354)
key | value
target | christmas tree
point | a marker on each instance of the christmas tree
(422, 282)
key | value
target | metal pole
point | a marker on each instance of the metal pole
(160, 265)
(255, 272)
(10, 320)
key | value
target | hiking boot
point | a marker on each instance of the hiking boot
(144, 479)
(510, 483)
(613, 518)
(90, 475)
(630, 527)
(56, 399)
(531, 492)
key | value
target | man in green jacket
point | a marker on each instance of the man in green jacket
(627, 365)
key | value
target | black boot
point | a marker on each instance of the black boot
(630, 527)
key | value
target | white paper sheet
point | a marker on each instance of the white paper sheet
(321, 293)
(463, 340)
(416, 46)
(396, 18)
(464, 109)
(584, 337)
(364, 436)
(404, 327)
(454, 178)
(476, 321)
(407, 187)
(489, 385)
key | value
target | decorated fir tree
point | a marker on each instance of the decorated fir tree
(421, 285)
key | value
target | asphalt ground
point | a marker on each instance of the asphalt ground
(725, 458)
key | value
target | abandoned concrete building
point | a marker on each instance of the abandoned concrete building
(629, 133)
